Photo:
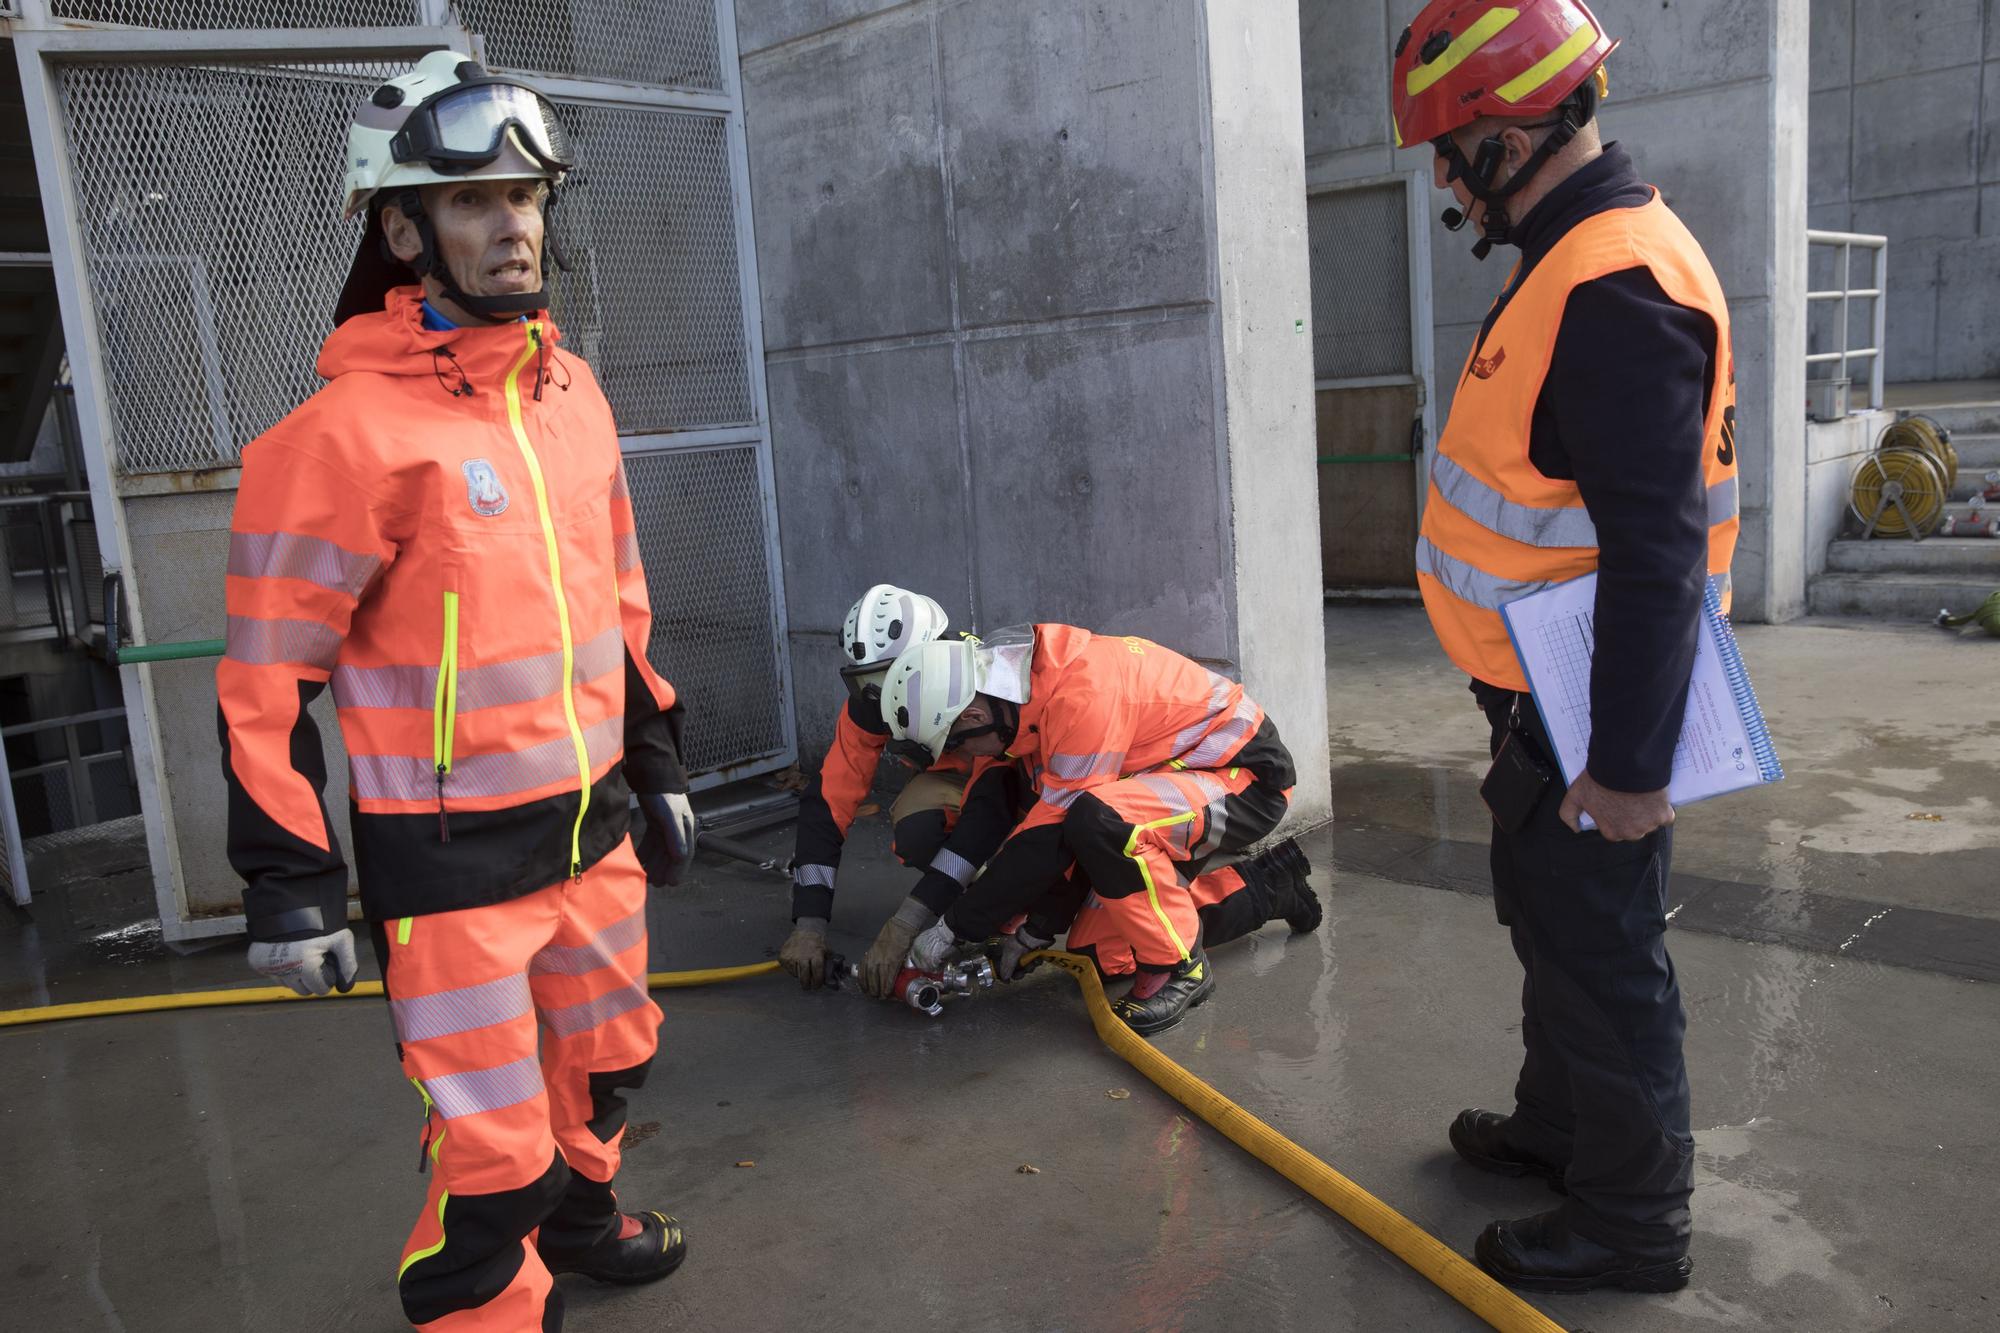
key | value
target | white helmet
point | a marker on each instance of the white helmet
(446, 120)
(928, 687)
(884, 623)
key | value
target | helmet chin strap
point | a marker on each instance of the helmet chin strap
(1496, 227)
(429, 263)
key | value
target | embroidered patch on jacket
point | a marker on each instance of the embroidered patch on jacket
(483, 488)
(1484, 366)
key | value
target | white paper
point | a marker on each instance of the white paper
(1554, 636)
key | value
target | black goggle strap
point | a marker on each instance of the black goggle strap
(1478, 174)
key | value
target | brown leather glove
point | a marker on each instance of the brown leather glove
(804, 952)
(891, 949)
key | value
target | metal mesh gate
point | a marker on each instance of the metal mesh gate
(203, 194)
(700, 515)
(1359, 245)
(214, 273)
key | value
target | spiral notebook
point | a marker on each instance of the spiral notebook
(1724, 745)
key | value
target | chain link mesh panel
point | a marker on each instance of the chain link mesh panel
(1360, 247)
(208, 199)
(706, 547)
(240, 13)
(653, 299)
(666, 43)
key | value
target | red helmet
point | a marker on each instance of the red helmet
(1463, 59)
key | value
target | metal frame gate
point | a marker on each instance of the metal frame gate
(190, 172)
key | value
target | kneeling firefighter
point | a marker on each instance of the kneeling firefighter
(442, 533)
(1142, 765)
(929, 833)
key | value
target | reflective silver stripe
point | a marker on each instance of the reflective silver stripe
(572, 1019)
(407, 777)
(520, 681)
(282, 642)
(422, 1017)
(293, 555)
(618, 488)
(1062, 797)
(1077, 767)
(573, 960)
(479, 1090)
(1532, 525)
(822, 876)
(1170, 793)
(1469, 584)
(1228, 738)
(626, 546)
(1220, 688)
(1722, 504)
(948, 862)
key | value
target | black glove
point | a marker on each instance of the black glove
(668, 844)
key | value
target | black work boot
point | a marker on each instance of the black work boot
(1542, 1253)
(1282, 871)
(1158, 1000)
(1480, 1137)
(645, 1248)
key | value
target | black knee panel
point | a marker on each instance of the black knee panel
(607, 1108)
(918, 837)
(482, 1246)
(1096, 835)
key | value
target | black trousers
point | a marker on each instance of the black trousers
(1603, 1083)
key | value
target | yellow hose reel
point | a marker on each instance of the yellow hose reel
(1901, 489)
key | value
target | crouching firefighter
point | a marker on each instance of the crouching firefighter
(1141, 765)
(443, 534)
(879, 627)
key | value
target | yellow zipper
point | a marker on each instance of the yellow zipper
(562, 603)
(444, 711)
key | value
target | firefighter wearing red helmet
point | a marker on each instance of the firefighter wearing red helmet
(1592, 430)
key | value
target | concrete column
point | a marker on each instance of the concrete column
(1032, 272)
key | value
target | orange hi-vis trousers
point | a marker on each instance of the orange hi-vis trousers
(519, 1022)
(1142, 842)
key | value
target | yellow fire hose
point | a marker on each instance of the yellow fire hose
(217, 999)
(1444, 1267)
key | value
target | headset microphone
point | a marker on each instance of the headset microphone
(1453, 219)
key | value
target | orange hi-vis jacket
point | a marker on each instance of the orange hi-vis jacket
(1098, 709)
(443, 534)
(1495, 529)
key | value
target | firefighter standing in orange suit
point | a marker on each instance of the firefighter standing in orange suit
(442, 533)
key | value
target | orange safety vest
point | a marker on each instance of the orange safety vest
(1495, 529)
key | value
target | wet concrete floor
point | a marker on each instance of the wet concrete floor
(255, 1168)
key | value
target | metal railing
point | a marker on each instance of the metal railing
(1845, 243)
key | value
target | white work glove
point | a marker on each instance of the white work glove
(668, 843)
(309, 967)
(933, 948)
(1015, 947)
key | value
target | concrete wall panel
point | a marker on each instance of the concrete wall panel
(1892, 39)
(1913, 306)
(1725, 200)
(1832, 46)
(1989, 210)
(1968, 279)
(1929, 215)
(1750, 337)
(1672, 48)
(765, 23)
(1076, 152)
(871, 487)
(1916, 132)
(1989, 128)
(1345, 52)
(848, 191)
(1829, 142)
(1097, 487)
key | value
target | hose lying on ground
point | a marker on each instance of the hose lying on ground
(217, 999)
(1444, 1267)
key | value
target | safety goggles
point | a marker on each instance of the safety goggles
(464, 128)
